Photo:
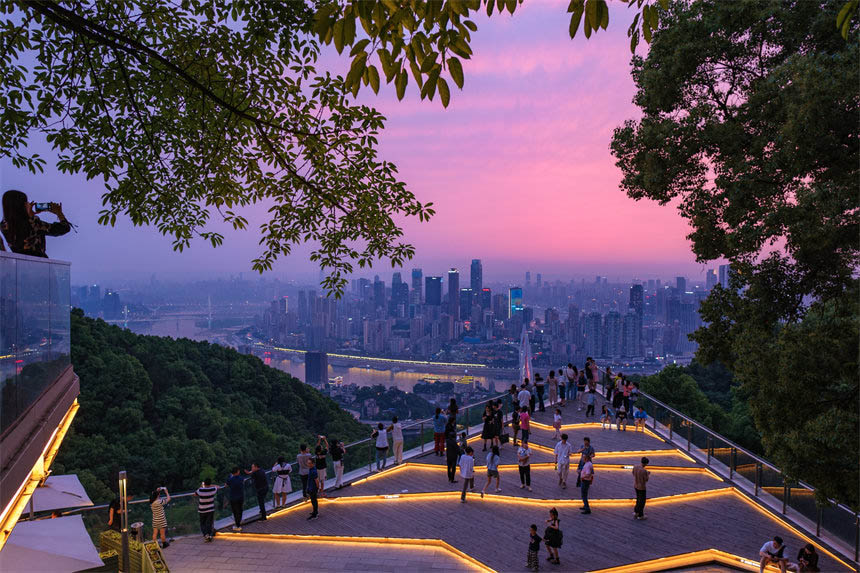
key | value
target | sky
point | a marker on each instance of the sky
(518, 168)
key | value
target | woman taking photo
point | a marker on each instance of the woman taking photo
(24, 231)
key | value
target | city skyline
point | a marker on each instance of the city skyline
(494, 195)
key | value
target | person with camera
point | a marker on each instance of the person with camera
(159, 519)
(24, 231)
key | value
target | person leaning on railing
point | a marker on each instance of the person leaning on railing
(23, 230)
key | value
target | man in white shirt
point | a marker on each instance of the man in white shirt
(397, 437)
(524, 395)
(586, 477)
(562, 460)
(467, 472)
(773, 552)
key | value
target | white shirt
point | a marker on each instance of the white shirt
(556, 418)
(523, 397)
(770, 547)
(587, 470)
(562, 451)
(523, 453)
(568, 372)
(382, 439)
(467, 466)
(397, 432)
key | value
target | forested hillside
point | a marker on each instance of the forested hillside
(169, 411)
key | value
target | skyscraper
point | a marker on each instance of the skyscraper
(724, 276)
(539, 281)
(515, 297)
(528, 279)
(316, 368)
(417, 279)
(710, 279)
(466, 298)
(637, 300)
(681, 284)
(485, 299)
(476, 276)
(378, 293)
(454, 293)
(433, 291)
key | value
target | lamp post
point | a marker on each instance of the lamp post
(123, 504)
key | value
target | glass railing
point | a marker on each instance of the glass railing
(760, 477)
(181, 512)
(34, 330)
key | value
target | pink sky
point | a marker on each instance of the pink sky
(518, 167)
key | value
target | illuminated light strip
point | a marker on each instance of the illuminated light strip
(350, 540)
(687, 560)
(585, 425)
(12, 512)
(513, 500)
(378, 359)
(551, 465)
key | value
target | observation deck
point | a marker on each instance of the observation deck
(701, 514)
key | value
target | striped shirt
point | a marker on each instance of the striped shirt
(206, 498)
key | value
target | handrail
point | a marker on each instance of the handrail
(732, 444)
(270, 472)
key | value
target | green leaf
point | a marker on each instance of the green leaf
(428, 62)
(349, 31)
(338, 36)
(843, 13)
(358, 47)
(373, 78)
(471, 25)
(456, 71)
(490, 4)
(591, 19)
(400, 83)
(444, 92)
(604, 15)
(575, 19)
(655, 18)
(356, 70)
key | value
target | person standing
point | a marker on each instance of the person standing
(562, 460)
(467, 472)
(586, 476)
(585, 451)
(493, 459)
(453, 409)
(640, 479)
(524, 423)
(571, 373)
(313, 488)
(24, 231)
(381, 446)
(488, 432)
(556, 423)
(534, 547)
(499, 419)
(524, 454)
(553, 388)
(115, 512)
(540, 387)
(396, 430)
(282, 485)
(451, 448)
(581, 383)
(302, 461)
(236, 483)
(515, 424)
(159, 519)
(525, 395)
(320, 453)
(589, 402)
(205, 495)
(562, 386)
(439, 421)
(338, 451)
(608, 383)
(552, 536)
(261, 486)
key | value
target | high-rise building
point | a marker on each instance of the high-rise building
(724, 276)
(528, 279)
(433, 291)
(500, 306)
(378, 293)
(485, 299)
(612, 334)
(417, 280)
(631, 344)
(112, 305)
(476, 276)
(681, 284)
(637, 300)
(710, 279)
(454, 293)
(593, 328)
(515, 297)
(316, 368)
(539, 281)
(466, 298)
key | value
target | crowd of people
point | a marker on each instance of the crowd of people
(567, 387)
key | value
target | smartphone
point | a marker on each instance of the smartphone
(41, 207)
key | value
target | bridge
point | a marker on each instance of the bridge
(382, 363)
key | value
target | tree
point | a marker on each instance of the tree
(196, 108)
(749, 123)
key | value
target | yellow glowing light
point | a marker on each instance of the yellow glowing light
(18, 503)
(691, 559)
(349, 541)
(551, 465)
(378, 359)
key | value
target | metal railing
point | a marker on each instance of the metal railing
(182, 510)
(839, 521)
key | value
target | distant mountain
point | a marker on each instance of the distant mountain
(169, 411)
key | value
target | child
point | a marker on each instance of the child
(556, 423)
(589, 399)
(605, 420)
(467, 472)
(159, 520)
(621, 418)
(534, 547)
